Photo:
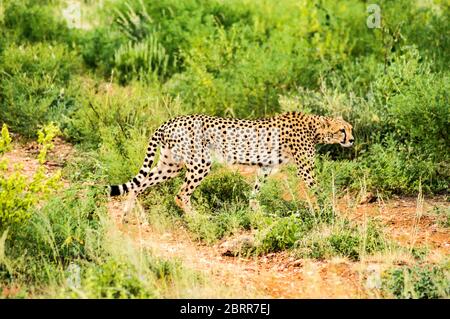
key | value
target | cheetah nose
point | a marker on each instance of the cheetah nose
(351, 140)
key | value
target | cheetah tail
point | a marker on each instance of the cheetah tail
(135, 182)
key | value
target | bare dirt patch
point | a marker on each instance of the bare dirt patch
(25, 155)
(406, 220)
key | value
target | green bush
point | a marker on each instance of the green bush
(33, 21)
(114, 280)
(220, 189)
(5, 140)
(63, 230)
(145, 61)
(418, 282)
(98, 46)
(341, 238)
(421, 115)
(282, 234)
(35, 86)
(19, 193)
(229, 220)
(397, 168)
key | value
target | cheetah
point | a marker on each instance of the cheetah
(191, 141)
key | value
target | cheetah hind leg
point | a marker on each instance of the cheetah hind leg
(262, 174)
(166, 169)
(128, 206)
(185, 205)
(193, 178)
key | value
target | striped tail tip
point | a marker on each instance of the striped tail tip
(115, 190)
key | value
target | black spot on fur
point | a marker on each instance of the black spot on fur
(143, 173)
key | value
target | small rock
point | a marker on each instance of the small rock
(296, 263)
(373, 277)
(238, 245)
(367, 198)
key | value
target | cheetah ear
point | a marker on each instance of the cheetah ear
(339, 117)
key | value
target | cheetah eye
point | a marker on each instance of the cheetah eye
(342, 130)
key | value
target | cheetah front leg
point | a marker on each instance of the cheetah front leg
(261, 176)
(305, 170)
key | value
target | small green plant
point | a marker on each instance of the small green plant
(443, 215)
(144, 60)
(282, 234)
(20, 193)
(114, 280)
(345, 243)
(341, 238)
(5, 140)
(45, 138)
(418, 282)
(221, 188)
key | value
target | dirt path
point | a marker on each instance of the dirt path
(279, 275)
(275, 275)
(409, 222)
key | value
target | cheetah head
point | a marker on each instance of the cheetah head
(336, 131)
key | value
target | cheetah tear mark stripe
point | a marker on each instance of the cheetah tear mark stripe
(135, 182)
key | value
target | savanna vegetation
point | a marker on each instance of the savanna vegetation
(103, 75)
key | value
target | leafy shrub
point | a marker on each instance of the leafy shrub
(421, 115)
(345, 244)
(222, 188)
(232, 220)
(282, 234)
(35, 86)
(114, 280)
(5, 140)
(340, 174)
(340, 239)
(229, 220)
(20, 193)
(146, 60)
(418, 282)
(394, 167)
(63, 230)
(33, 21)
(98, 47)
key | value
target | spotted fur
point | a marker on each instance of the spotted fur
(193, 141)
